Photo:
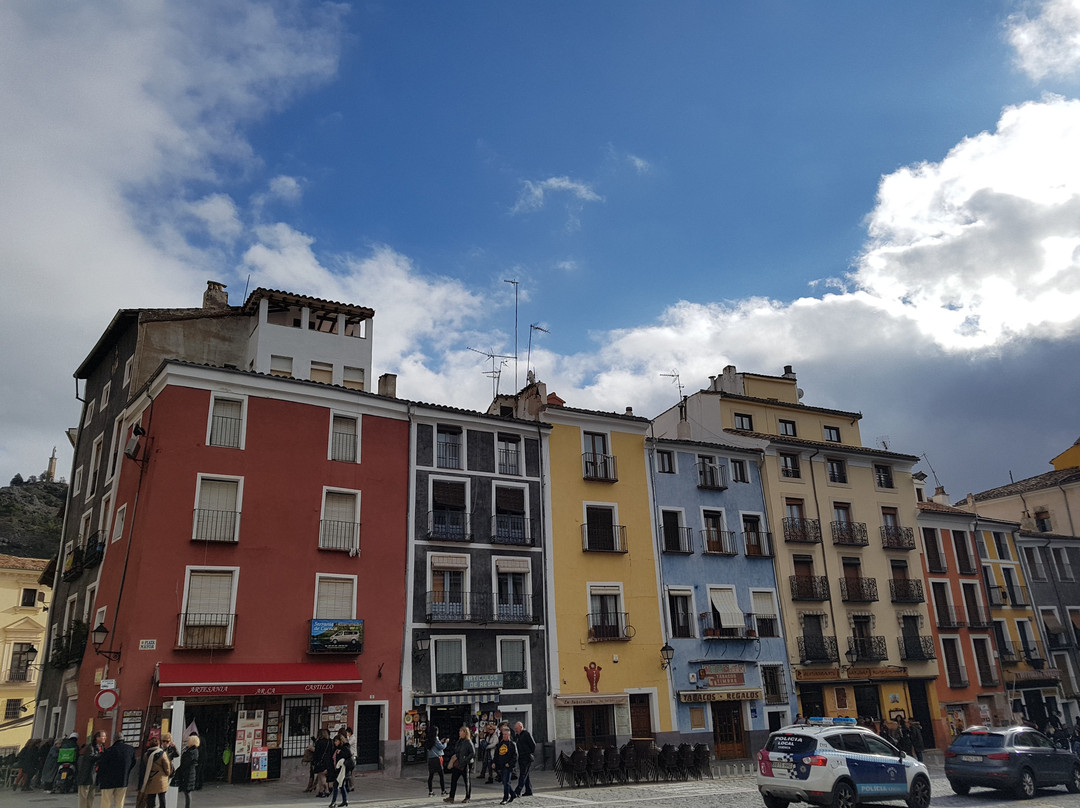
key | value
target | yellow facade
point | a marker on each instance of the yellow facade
(609, 680)
(23, 603)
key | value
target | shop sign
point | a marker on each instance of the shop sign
(1049, 673)
(719, 695)
(802, 675)
(591, 699)
(336, 637)
(723, 675)
(877, 673)
(482, 681)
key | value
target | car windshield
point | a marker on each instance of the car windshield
(790, 744)
(980, 740)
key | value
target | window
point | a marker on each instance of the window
(29, 599)
(340, 525)
(883, 477)
(787, 428)
(765, 618)
(279, 313)
(321, 372)
(95, 466)
(774, 685)
(209, 609)
(89, 414)
(281, 366)
(1062, 565)
(448, 518)
(837, 470)
(512, 663)
(118, 522)
(105, 392)
(676, 538)
(343, 438)
(597, 463)
(449, 656)
(226, 423)
(983, 665)
(446, 599)
(716, 539)
(738, 471)
(127, 370)
(1002, 545)
(509, 455)
(607, 620)
(20, 662)
(448, 447)
(710, 475)
(217, 512)
(511, 524)
(964, 562)
(680, 609)
(726, 618)
(352, 378)
(513, 603)
(744, 421)
(601, 533)
(789, 465)
(1042, 521)
(1035, 563)
(325, 322)
(76, 484)
(335, 598)
(935, 560)
(757, 543)
(832, 434)
(665, 461)
(355, 326)
(12, 709)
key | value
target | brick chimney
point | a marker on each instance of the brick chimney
(388, 385)
(940, 497)
(215, 296)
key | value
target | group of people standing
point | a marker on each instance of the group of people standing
(331, 764)
(503, 753)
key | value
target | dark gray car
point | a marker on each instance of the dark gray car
(1017, 759)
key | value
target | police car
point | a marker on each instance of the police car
(837, 763)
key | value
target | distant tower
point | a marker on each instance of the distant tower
(50, 475)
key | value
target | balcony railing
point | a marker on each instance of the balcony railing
(511, 528)
(484, 607)
(509, 461)
(807, 531)
(202, 631)
(935, 562)
(215, 525)
(73, 565)
(343, 446)
(603, 538)
(1058, 641)
(726, 626)
(448, 454)
(605, 626)
(768, 625)
(94, 551)
(20, 673)
(711, 476)
(863, 590)
(868, 649)
(1030, 652)
(818, 649)
(809, 587)
(979, 620)
(916, 648)
(447, 607)
(758, 544)
(849, 533)
(343, 536)
(719, 542)
(906, 590)
(956, 676)
(68, 649)
(966, 566)
(948, 618)
(791, 472)
(895, 537)
(447, 524)
(1007, 595)
(987, 677)
(225, 431)
(997, 596)
(600, 467)
(677, 539)
(1018, 595)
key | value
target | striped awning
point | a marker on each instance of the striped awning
(437, 699)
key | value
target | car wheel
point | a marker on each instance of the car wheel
(1025, 786)
(919, 793)
(774, 802)
(843, 795)
(1074, 781)
(959, 788)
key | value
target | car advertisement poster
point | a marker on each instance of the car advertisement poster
(336, 637)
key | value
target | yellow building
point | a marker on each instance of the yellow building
(848, 566)
(23, 602)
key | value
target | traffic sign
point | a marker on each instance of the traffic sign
(106, 699)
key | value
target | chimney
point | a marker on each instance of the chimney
(940, 497)
(388, 385)
(215, 296)
(630, 411)
(789, 373)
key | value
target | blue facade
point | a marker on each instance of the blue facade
(729, 672)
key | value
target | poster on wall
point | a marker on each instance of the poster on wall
(131, 727)
(336, 637)
(259, 757)
(273, 728)
(334, 717)
(249, 724)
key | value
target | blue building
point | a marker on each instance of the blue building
(729, 668)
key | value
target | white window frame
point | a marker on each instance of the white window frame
(117, 529)
(91, 407)
(88, 603)
(524, 639)
(687, 592)
(466, 578)
(354, 416)
(95, 464)
(99, 616)
(608, 588)
(128, 365)
(106, 390)
(495, 572)
(1034, 557)
(611, 506)
(775, 612)
(674, 461)
(228, 478)
(745, 470)
(76, 484)
(1059, 556)
(681, 515)
(118, 436)
(333, 489)
(242, 400)
(319, 577)
(503, 482)
(70, 611)
(435, 640)
(710, 589)
(232, 605)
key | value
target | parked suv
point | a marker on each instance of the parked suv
(837, 763)
(1017, 759)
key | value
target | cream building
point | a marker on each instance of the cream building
(23, 603)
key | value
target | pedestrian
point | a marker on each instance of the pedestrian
(526, 748)
(435, 747)
(324, 752)
(503, 762)
(26, 762)
(309, 759)
(86, 770)
(904, 735)
(186, 777)
(342, 769)
(114, 768)
(463, 758)
(50, 765)
(917, 743)
(1074, 740)
(156, 771)
(487, 748)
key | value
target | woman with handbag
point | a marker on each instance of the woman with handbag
(186, 777)
(323, 754)
(435, 747)
(461, 762)
(342, 770)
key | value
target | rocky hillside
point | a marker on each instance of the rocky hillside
(30, 520)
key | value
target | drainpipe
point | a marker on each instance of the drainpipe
(824, 554)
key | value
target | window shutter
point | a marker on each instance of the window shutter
(763, 604)
(217, 495)
(210, 593)
(335, 599)
(339, 507)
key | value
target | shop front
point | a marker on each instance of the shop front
(731, 722)
(588, 720)
(448, 712)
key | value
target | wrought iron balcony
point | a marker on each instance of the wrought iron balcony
(491, 607)
(448, 607)
(448, 454)
(225, 431)
(94, 551)
(906, 590)
(1028, 651)
(1058, 641)
(978, 620)
(203, 631)
(895, 537)
(68, 648)
(809, 587)
(343, 446)
(1008, 595)
(917, 647)
(676, 539)
(605, 626)
(711, 476)
(719, 542)
(603, 538)
(509, 461)
(956, 676)
(768, 625)
(446, 524)
(215, 525)
(807, 531)
(512, 528)
(814, 648)
(863, 590)
(726, 626)
(758, 545)
(849, 533)
(20, 673)
(600, 467)
(868, 649)
(342, 536)
(987, 677)
(948, 617)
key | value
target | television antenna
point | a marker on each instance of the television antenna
(528, 358)
(515, 283)
(884, 440)
(496, 367)
(925, 457)
(677, 381)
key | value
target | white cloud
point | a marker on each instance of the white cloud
(219, 215)
(534, 194)
(641, 166)
(1047, 44)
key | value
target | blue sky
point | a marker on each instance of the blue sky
(884, 195)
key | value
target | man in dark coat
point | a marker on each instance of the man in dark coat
(503, 763)
(526, 748)
(114, 768)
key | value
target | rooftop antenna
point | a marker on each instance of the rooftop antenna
(937, 482)
(496, 368)
(528, 358)
(678, 382)
(247, 283)
(884, 440)
(515, 283)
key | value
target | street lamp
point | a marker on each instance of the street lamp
(667, 653)
(98, 637)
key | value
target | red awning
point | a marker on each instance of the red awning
(258, 679)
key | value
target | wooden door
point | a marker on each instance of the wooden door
(729, 739)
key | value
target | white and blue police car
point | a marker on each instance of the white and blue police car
(837, 763)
